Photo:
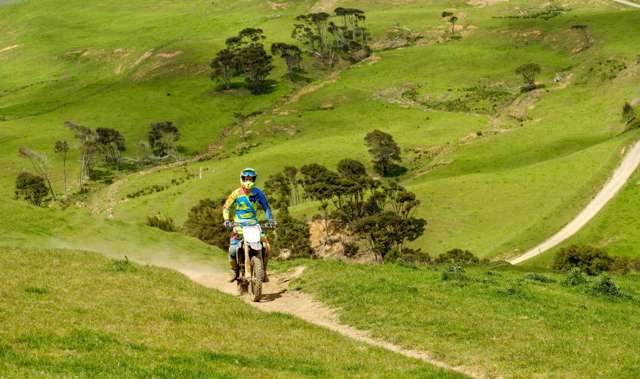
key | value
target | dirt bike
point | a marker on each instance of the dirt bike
(251, 250)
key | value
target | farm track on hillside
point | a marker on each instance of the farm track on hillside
(627, 3)
(620, 176)
(277, 298)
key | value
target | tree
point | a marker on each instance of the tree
(628, 114)
(280, 190)
(256, 66)
(224, 67)
(312, 32)
(88, 149)
(244, 55)
(528, 72)
(384, 151)
(291, 54)
(111, 144)
(162, 138)
(39, 163)
(387, 231)
(31, 188)
(205, 222)
(62, 147)
(320, 184)
(292, 236)
(452, 21)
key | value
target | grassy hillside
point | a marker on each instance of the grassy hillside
(487, 182)
(494, 194)
(502, 322)
(615, 229)
(79, 315)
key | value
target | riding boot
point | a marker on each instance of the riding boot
(234, 271)
(264, 264)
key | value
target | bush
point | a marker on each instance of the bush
(205, 223)
(574, 278)
(122, 265)
(457, 256)
(454, 272)
(605, 286)
(161, 222)
(292, 236)
(31, 188)
(539, 278)
(590, 259)
(409, 257)
(350, 249)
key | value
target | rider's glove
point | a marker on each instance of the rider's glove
(228, 224)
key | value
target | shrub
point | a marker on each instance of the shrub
(574, 278)
(122, 265)
(205, 223)
(539, 278)
(590, 259)
(605, 286)
(161, 222)
(350, 249)
(293, 236)
(409, 257)
(457, 256)
(454, 272)
(31, 188)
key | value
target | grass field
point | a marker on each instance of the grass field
(539, 171)
(500, 322)
(67, 314)
(495, 176)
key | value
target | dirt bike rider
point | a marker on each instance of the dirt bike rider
(245, 200)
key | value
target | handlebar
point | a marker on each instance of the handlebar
(263, 225)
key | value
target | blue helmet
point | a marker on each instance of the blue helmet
(248, 178)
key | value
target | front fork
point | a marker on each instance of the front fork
(247, 262)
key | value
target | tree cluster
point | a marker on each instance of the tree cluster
(96, 148)
(244, 55)
(380, 214)
(329, 40)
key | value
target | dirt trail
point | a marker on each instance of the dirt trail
(627, 3)
(277, 298)
(629, 164)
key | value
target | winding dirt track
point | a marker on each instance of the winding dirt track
(629, 164)
(277, 298)
(627, 3)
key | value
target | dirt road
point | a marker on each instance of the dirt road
(277, 298)
(627, 3)
(629, 164)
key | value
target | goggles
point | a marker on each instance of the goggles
(247, 178)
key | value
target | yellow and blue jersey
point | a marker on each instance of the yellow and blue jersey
(245, 203)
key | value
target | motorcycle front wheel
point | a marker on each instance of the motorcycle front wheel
(257, 271)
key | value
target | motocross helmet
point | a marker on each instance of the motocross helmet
(248, 178)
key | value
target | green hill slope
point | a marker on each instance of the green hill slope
(80, 315)
(504, 322)
(499, 173)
